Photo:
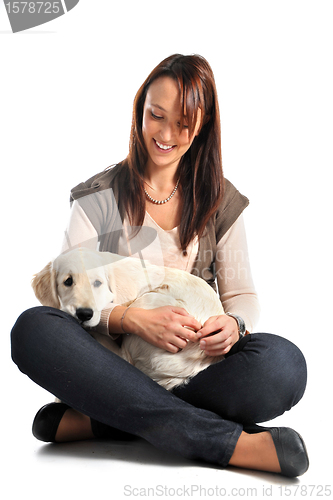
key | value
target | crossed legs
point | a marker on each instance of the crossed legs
(203, 420)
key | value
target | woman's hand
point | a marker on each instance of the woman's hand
(224, 334)
(166, 327)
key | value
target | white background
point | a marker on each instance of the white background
(67, 89)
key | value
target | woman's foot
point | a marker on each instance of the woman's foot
(275, 449)
(57, 422)
(74, 426)
(256, 451)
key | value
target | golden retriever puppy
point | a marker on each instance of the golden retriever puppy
(82, 282)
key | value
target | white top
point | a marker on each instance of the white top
(234, 279)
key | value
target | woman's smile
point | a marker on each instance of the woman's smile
(164, 148)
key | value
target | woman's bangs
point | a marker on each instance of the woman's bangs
(190, 102)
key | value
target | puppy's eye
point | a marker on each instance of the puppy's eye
(69, 281)
(97, 283)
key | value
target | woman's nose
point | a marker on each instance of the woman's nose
(167, 132)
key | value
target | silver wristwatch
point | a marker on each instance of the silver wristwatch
(241, 324)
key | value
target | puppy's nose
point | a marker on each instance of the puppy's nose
(84, 313)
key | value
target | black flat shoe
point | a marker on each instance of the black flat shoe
(290, 449)
(47, 420)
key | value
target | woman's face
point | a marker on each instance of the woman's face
(164, 141)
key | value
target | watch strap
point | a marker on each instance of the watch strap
(240, 322)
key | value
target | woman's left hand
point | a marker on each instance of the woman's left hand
(223, 331)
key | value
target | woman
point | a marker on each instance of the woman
(171, 185)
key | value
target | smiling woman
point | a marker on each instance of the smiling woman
(176, 136)
(175, 159)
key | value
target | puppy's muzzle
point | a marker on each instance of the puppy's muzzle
(84, 313)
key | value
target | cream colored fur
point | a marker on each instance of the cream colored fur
(99, 278)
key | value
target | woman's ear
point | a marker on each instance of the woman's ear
(45, 287)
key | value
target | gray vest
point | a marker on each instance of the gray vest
(99, 197)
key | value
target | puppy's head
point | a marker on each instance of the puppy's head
(76, 283)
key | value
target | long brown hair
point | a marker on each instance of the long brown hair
(200, 169)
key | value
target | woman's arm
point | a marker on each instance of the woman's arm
(80, 231)
(237, 292)
(234, 277)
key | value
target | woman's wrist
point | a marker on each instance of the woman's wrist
(121, 320)
(115, 320)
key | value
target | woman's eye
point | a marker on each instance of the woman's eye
(184, 125)
(97, 283)
(69, 281)
(156, 117)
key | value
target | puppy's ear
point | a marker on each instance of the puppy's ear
(45, 288)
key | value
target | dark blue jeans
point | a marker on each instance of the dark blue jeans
(263, 376)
